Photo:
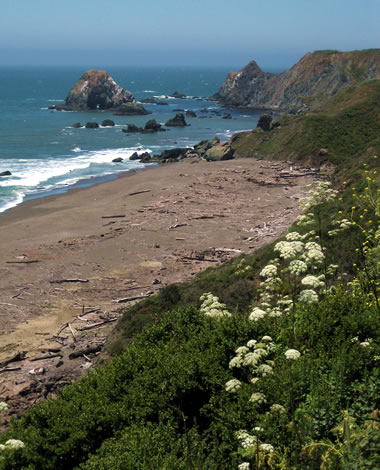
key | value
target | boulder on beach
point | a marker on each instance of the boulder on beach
(92, 125)
(5, 173)
(76, 125)
(145, 157)
(134, 156)
(177, 121)
(108, 123)
(117, 160)
(173, 154)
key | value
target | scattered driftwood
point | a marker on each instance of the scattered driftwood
(129, 299)
(172, 227)
(200, 258)
(20, 356)
(60, 339)
(198, 217)
(113, 216)
(72, 331)
(139, 192)
(95, 325)
(61, 281)
(87, 350)
(9, 369)
(228, 250)
(45, 356)
(27, 261)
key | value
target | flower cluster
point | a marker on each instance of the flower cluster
(233, 385)
(212, 307)
(3, 406)
(308, 296)
(14, 444)
(292, 354)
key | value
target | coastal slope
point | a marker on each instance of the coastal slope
(297, 89)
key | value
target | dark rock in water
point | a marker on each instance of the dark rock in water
(5, 173)
(117, 160)
(204, 110)
(131, 109)
(177, 94)
(177, 121)
(96, 90)
(190, 113)
(265, 122)
(132, 128)
(145, 157)
(92, 125)
(149, 100)
(108, 123)
(134, 156)
(179, 110)
(226, 116)
(76, 125)
(162, 103)
(152, 125)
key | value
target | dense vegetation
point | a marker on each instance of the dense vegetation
(270, 361)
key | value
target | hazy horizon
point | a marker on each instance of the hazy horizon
(199, 33)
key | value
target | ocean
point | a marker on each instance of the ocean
(46, 155)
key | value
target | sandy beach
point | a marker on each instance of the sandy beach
(72, 261)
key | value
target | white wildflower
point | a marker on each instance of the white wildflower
(313, 253)
(3, 406)
(289, 250)
(2, 447)
(266, 448)
(241, 350)
(244, 466)
(212, 307)
(276, 408)
(275, 312)
(14, 444)
(266, 338)
(312, 281)
(246, 440)
(257, 314)
(251, 343)
(265, 369)
(233, 385)
(235, 362)
(365, 344)
(254, 380)
(270, 270)
(308, 296)
(251, 359)
(297, 267)
(345, 223)
(258, 429)
(292, 354)
(258, 398)
(293, 236)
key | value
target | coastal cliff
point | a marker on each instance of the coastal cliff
(299, 89)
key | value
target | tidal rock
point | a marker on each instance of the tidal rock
(177, 121)
(149, 100)
(220, 151)
(134, 156)
(173, 154)
(117, 160)
(152, 126)
(5, 173)
(97, 90)
(131, 109)
(92, 125)
(226, 116)
(178, 95)
(132, 128)
(145, 157)
(265, 122)
(108, 123)
(190, 113)
(76, 125)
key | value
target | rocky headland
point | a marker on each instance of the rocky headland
(96, 89)
(299, 89)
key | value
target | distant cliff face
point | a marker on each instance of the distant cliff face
(97, 90)
(321, 72)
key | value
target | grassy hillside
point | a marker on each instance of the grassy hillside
(348, 127)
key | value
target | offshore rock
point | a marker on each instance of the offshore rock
(299, 89)
(108, 123)
(178, 95)
(152, 126)
(134, 156)
(92, 125)
(132, 128)
(190, 113)
(177, 121)
(131, 109)
(97, 90)
(76, 125)
(5, 173)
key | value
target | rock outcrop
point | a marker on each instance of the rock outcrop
(5, 173)
(177, 121)
(297, 90)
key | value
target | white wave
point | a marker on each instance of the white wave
(76, 149)
(149, 91)
(44, 108)
(53, 101)
(13, 202)
(164, 97)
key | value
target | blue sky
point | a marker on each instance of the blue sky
(276, 33)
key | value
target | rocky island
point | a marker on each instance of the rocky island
(299, 89)
(96, 89)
